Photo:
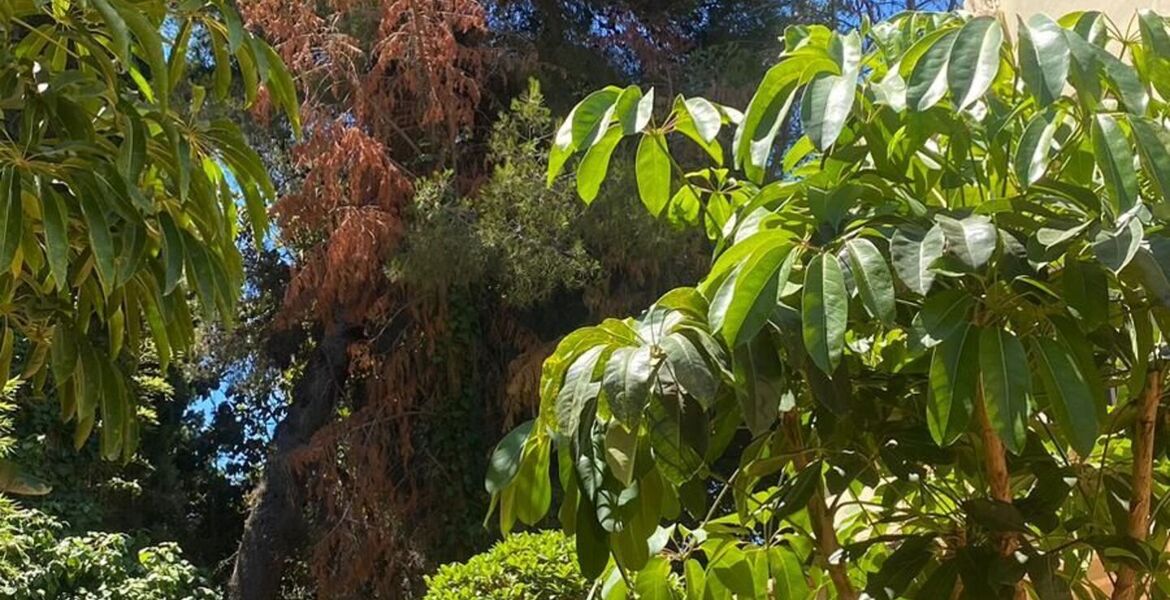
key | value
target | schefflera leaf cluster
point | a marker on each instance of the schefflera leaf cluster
(118, 191)
(927, 360)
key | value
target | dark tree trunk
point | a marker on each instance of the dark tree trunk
(275, 525)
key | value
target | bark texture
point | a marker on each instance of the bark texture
(275, 524)
(1143, 478)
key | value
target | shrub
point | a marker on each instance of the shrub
(529, 566)
(38, 561)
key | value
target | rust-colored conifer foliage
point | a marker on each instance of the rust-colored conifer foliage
(388, 88)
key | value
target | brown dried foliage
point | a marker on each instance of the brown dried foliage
(387, 85)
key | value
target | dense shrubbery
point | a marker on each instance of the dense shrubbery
(38, 560)
(529, 566)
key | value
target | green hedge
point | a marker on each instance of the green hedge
(525, 566)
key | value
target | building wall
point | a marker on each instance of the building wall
(1120, 12)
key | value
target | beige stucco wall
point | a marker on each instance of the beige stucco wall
(1119, 11)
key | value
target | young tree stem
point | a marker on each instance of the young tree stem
(1143, 476)
(821, 519)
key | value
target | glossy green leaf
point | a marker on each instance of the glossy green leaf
(11, 216)
(872, 276)
(1153, 142)
(101, 243)
(759, 380)
(706, 118)
(577, 389)
(150, 41)
(1044, 58)
(828, 98)
(505, 459)
(621, 446)
(928, 80)
(592, 540)
(972, 240)
(1115, 249)
(689, 368)
(1006, 381)
(653, 581)
(595, 164)
(653, 172)
(954, 375)
(743, 303)
(1068, 394)
(974, 60)
(626, 381)
(913, 255)
(116, 26)
(533, 488)
(824, 312)
(1115, 157)
(766, 113)
(1033, 150)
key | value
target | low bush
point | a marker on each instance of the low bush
(525, 566)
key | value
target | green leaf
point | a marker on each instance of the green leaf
(14, 480)
(743, 303)
(627, 380)
(787, 574)
(632, 111)
(1124, 79)
(280, 81)
(705, 117)
(971, 240)
(1068, 393)
(689, 369)
(55, 215)
(11, 217)
(759, 383)
(100, 241)
(621, 446)
(1153, 141)
(825, 106)
(505, 460)
(824, 312)
(913, 254)
(953, 377)
(1044, 58)
(873, 279)
(1115, 249)
(901, 567)
(116, 27)
(974, 60)
(1115, 158)
(653, 581)
(1003, 368)
(591, 171)
(928, 80)
(113, 404)
(653, 172)
(592, 540)
(533, 488)
(151, 43)
(582, 123)
(1032, 151)
(828, 98)
(767, 111)
(577, 389)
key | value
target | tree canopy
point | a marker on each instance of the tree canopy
(118, 192)
(928, 353)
